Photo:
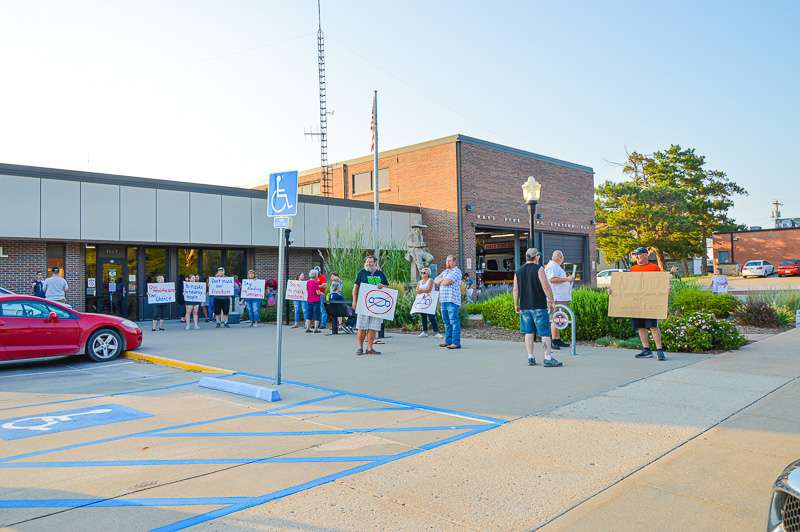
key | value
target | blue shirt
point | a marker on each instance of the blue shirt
(451, 293)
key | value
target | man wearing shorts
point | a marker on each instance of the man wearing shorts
(642, 325)
(533, 301)
(368, 326)
(561, 284)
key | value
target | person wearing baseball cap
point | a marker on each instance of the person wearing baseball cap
(642, 325)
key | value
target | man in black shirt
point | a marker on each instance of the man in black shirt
(533, 298)
(367, 326)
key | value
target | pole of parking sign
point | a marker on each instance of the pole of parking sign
(281, 297)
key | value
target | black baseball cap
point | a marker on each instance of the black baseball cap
(640, 249)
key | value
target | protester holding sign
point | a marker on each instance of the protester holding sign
(253, 293)
(561, 284)
(367, 326)
(221, 288)
(642, 325)
(159, 301)
(449, 283)
(425, 286)
(296, 292)
(190, 299)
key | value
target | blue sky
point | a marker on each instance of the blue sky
(221, 92)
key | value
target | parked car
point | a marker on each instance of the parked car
(784, 509)
(788, 267)
(32, 328)
(604, 277)
(4, 291)
(757, 268)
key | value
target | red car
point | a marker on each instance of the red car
(32, 328)
(788, 267)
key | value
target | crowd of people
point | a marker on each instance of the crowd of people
(536, 291)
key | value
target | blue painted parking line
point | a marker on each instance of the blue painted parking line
(65, 420)
(231, 505)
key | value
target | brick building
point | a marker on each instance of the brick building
(773, 245)
(111, 234)
(469, 193)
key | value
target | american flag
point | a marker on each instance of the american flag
(372, 123)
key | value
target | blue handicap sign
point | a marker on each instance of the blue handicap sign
(282, 194)
(64, 420)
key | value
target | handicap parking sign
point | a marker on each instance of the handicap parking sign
(282, 194)
(64, 420)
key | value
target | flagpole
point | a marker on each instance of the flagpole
(375, 180)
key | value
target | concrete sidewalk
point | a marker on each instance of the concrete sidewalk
(696, 447)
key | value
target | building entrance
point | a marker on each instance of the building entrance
(111, 280)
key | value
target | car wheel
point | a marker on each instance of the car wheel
(104, 345)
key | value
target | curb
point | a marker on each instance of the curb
(171, 362)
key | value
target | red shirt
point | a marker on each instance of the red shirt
(312, 285)
(322, 280)
(649, 267)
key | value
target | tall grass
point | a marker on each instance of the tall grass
(346, 252)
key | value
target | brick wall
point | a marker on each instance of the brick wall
(26, 257)
(492, 181)
(772, 245)
(266, 262)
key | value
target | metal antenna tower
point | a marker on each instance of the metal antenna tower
(326, 187)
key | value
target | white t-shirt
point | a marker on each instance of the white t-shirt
(561, 291)
(54, 287)
(719, 284)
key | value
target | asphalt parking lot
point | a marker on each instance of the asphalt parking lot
(130, 446)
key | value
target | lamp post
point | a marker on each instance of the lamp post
(531, 191)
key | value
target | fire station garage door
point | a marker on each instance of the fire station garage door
(573, 247)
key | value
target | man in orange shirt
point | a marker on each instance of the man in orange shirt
(643, 324)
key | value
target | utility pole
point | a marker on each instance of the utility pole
(326, 177)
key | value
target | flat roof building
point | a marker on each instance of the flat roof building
(112, 234)
(469, 193)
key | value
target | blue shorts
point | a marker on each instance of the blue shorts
(535, 321)
(313, 313)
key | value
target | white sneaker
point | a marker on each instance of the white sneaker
(255, 324)
(423, 334)
(187, 326)
(439, 335)
(196, 326)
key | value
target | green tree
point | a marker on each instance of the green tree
(670, 203)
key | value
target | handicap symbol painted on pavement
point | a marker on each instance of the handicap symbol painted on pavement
(51, 422)
(379, 302)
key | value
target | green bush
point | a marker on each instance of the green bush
(686, 299)
(473, 308)
(499, 311)
(626, 343)
(698, 332)
(785, 315)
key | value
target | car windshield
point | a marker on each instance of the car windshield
(790, 262)
(752, 263)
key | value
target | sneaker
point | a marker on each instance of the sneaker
(453, 346)
(295, 326)
(255, 325)
(423, 334)
(359, 352)
(560, 343)
(187, 326)
(531, 361)
(372, 352)
(646, 353)
(226, 325)
(439, 335)
(196, 327)
(554, 346)
(443, 344)
(218, 325)
(661, 355)
(552, 363)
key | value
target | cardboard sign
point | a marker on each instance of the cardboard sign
(639, 295)
(253, 288)
(160, 293)
(220, 286)
(376, 302)
(194, 292)
(425, 303)
(297, 290)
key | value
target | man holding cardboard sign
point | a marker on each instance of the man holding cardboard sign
(643, 297)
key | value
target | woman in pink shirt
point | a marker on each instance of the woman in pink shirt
(314, 293)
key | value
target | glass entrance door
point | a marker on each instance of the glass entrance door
(112, 290)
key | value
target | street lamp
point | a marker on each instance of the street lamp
(531, 191)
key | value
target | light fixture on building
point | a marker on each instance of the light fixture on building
(469, 207)
(503, 235)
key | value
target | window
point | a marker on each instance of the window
(362, 183)
(60, 312)
(12, 309)
(212, 259)
(55, 257)
(236, 263)
(155, 264)
(578, 269)
(752, 263)
(309, 189)
(91, 271)
(188, 262)
(24, 309)
(724, 257)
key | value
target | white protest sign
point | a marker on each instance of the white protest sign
(376, 302)
(425, 303)
(194, 292)
(297, 290)
(220, 286)
(160, 293)
(253, 288)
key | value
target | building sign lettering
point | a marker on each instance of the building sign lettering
(2, 254)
